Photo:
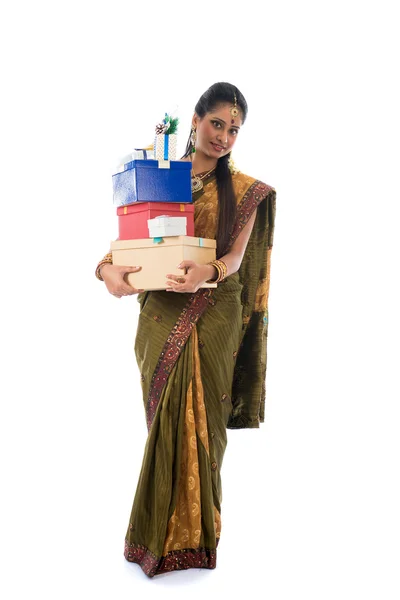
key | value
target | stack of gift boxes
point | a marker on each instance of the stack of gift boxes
(156, 215)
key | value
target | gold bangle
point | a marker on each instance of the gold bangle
(222, 270)
(218, 269)
(106, 260)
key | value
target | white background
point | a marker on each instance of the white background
(310, 500)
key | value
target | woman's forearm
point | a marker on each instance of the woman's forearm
(232, 261)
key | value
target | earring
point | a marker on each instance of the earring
(193, 137)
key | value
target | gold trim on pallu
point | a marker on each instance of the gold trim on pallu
(262, 292)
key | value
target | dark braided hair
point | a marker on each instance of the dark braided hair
(221, 93)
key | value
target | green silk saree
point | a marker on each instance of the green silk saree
(202, 360)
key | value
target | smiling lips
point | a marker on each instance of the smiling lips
(218, 147)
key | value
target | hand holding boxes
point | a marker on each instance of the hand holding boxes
(160, 257)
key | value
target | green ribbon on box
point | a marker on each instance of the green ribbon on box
(158, 240)
(201, 242)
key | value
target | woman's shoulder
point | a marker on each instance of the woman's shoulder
(245, 183)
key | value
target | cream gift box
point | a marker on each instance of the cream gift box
(159, 257)
(164, 225)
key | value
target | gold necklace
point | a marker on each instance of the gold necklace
(197, 183)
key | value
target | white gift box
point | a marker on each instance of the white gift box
(142, 154)
(165, 146)
(165, 226)
(137, 154)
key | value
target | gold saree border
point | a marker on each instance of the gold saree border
(262, 292)
(196, 306)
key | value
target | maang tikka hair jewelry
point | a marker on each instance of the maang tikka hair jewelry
(234, 111)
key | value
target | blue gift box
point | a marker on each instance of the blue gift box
(145, 181)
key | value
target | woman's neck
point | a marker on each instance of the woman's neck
(201, 162)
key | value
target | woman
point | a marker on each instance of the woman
(201, 351)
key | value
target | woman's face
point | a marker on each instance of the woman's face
(216, 134)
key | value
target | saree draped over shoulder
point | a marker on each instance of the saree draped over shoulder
(202, 359)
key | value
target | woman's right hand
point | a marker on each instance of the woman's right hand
(114, 278)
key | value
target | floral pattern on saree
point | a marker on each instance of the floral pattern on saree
(184, 527)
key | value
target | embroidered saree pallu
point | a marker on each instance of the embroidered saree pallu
(202, 359)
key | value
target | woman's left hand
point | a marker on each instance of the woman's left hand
(194, 278)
